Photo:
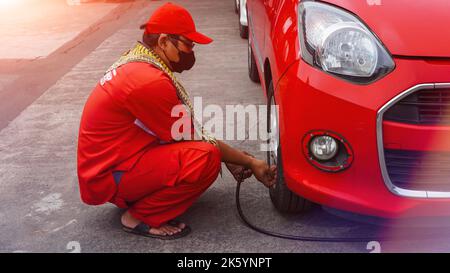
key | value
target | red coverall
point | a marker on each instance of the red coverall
(160, 181)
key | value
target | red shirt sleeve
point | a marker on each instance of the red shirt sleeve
(152, 104)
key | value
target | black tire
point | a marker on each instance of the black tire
(252, 69)
(283, 199)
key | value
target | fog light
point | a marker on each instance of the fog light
(323, 147)
(327, 151)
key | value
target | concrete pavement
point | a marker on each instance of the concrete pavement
(41, 210)
(33, 29)
(24, 80)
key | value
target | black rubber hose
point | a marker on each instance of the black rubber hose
(301, 238)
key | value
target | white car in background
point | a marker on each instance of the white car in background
(240, 8)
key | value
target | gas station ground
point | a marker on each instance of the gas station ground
(47, 70)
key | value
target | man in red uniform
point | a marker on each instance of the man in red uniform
(127, 152)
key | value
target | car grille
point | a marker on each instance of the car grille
(425, 107)
(414, 170)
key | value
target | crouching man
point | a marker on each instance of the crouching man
(127, 154)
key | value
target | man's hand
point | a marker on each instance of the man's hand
(240, 173)
(263, 172)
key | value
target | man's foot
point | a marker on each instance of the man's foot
(165, 229)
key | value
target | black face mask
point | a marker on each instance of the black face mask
(186, 62)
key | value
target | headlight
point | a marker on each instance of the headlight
(338, 43)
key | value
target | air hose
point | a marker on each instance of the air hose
(296, 237)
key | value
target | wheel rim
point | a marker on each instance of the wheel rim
(274, 132)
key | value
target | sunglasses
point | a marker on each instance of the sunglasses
(188, 44)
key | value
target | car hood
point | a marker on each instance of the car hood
(419, 28)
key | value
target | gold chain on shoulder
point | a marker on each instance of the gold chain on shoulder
(140, 53)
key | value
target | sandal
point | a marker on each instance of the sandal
(143, 230)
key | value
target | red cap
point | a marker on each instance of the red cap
(174, 19)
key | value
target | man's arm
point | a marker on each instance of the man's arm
(234, 156)
(263, 172)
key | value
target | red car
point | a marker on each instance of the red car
(363, 95)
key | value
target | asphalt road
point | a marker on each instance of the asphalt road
(41, 210)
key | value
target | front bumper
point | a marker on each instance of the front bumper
(310, 99)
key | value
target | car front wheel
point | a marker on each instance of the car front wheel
(283, 199)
